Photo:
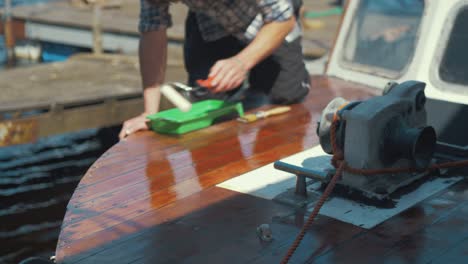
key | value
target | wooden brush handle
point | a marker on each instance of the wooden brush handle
(277, 110)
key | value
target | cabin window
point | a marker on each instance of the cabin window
(454, 64)
(383, 36)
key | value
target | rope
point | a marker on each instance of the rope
(314, 213)
(338, 162)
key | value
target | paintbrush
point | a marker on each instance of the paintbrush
(263, 114)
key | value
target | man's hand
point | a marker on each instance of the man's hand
(133, 125)
(227, 74)
(230, 73)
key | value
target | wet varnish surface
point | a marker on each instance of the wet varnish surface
(152, 199)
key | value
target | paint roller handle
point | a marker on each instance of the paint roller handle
(277, 110)
(176, 98)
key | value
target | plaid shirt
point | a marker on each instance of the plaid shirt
(220, 18)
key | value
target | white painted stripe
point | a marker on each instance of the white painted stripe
(267, 182)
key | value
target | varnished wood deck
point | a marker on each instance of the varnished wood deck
(151, 199)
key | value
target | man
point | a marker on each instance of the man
(225, 40)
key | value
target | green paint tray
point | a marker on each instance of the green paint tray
(201, 115)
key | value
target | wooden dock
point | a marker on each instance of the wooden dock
(153, 199)
(61, 22)
(86, 91)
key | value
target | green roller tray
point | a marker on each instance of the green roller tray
(202, 114)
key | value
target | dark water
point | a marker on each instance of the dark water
(36, 182)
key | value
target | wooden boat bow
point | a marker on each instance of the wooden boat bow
(152, 199)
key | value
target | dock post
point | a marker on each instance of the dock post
(9, 35)
(97, 27)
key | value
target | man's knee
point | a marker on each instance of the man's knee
(291, 92)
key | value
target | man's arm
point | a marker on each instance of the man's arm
(269, 38)
(231, 72)
(154, 19)
(279, 21)
(153, 58)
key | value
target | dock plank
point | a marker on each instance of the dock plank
(82, 79)
(62, 13)
(316, 42)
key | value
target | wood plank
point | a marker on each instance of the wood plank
(243, 209)
(176, 167)
(70, 250)
(231, 230)
(457, 254)
(68, 82)
(327, 237)
(139, 200)
(150, 172)
(441, 238)
(152, 144)
(138, 175)
(417, 235)
(62, 13)
(207, 145)
(82, 79)
(316, 42)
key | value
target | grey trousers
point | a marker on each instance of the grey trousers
(282, 76)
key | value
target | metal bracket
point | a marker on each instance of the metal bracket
(301, 174)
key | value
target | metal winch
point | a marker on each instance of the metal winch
(383, 132)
